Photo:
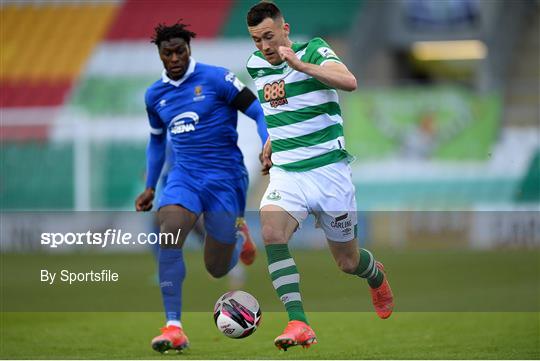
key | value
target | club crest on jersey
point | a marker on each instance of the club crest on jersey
(274, 196)
(184, 122)
(198, 94)
(275, 94)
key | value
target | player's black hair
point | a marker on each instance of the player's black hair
(261, 11)
(163, 32)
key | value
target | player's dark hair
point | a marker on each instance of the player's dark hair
(163, 32)
(261, 11)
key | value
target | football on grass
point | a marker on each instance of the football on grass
(237, 314)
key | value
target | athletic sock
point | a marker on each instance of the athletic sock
(367, 269)
(286, 280)
(174, 323)
(172, 272)
(236, 252)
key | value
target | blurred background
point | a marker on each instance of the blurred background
(445, 129)
(446, 117)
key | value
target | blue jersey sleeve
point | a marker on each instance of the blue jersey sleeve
(156, 125)
(256, 113)
(155, 152)
(228, 85)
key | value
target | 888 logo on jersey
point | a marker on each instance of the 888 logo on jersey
(274, 93)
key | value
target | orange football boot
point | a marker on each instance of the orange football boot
(382, 296)
(249, 250)
(171, 337)
(296, 333)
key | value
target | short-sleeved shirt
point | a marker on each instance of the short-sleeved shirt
(302, 114)
(196, 112)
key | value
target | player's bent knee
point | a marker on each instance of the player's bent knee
(170, 235)
(216, 271)
(347, 265)
(273, 235)
(166, 224)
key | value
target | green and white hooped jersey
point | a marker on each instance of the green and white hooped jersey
(302, 114)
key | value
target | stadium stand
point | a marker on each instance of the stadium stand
(44, 49)
(529, 188)
(137, 19)
(89, 62)
(36, 176)
(522, 92)
(307, 18)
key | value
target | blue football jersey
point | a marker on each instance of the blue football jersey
(196, 112)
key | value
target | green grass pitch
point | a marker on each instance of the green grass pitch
(341, 336)
(449, 305)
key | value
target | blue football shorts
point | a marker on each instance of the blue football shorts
(221, 201)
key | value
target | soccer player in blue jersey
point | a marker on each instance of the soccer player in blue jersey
(197, 105)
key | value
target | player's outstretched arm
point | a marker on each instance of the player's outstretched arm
(155, 157)
(255, 112)
(331, 73)
(245, 101)
(266, 157)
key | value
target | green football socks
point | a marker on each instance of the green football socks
(286, 280)
(367, 269)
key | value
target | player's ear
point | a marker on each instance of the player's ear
(286, 29)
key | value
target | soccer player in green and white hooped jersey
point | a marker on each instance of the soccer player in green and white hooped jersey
(309, 170)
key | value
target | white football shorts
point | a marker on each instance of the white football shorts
(326, 192)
